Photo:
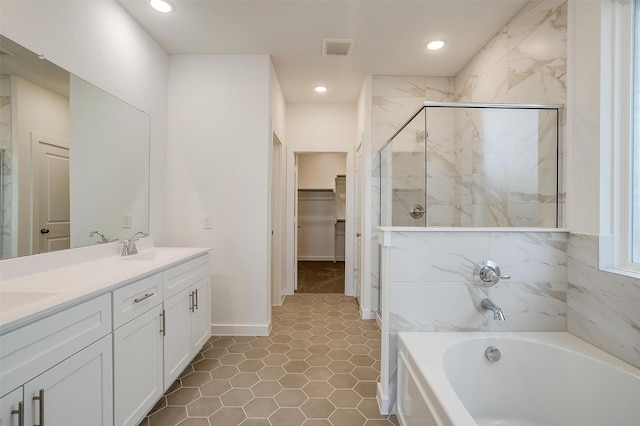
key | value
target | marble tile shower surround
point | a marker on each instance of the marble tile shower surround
(507, 69)
(394, 100)
(428, 284)
(603, 308)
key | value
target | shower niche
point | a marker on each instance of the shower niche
(474, 165)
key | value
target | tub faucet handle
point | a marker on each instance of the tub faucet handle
(487, 273)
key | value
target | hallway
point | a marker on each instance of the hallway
(319, 366)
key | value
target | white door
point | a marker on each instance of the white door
(357, 270)
(51, 210)
(177, 338)
(138, 374)
(76, 392)
(276, 237)
(10, 408)
(295, 223)
(201, 315)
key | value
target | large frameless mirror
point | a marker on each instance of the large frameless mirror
(74, 162)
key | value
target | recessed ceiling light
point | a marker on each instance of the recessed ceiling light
(436, 44)
(163, 6)
(320, 89)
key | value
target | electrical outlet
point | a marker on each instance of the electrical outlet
(126, 221)
(207, 222)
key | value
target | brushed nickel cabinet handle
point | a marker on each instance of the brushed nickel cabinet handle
(163, 325)
(196, 303)
(40, 399)
(20, 413)
(140, 299)
(192, 301)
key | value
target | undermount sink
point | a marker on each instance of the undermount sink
(14, 300)
(161, 253)
(141, 256)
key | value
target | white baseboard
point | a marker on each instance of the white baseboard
(240, 330)
(367, 314)
(384, 404)
(315, 258)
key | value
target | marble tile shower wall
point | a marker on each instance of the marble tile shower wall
(441, 294)
(428, 285)
(526, 62)
(511, 67)
(394, 100)
(602, 308)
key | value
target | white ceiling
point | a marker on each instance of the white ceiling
(389, 36)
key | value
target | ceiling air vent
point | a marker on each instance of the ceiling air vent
(337, 46)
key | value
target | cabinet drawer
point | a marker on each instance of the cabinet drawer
(34, 348)
(136, 299)
(182, 276)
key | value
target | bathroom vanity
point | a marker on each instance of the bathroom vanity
(98, 342)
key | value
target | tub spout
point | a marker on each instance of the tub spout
(488, 305)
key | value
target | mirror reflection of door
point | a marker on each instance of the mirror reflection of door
(50, 198)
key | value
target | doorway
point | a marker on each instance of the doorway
(321, 203)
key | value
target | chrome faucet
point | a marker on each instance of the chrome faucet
(488, 305)
(103, 239)
(129, 246)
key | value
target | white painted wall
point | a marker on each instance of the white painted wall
(318, 171)
(312, 125)
(218, 165)
(583, 116)
(101, 43)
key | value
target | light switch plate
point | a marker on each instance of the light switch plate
(207, 222)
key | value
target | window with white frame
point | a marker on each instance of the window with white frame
(634, 147)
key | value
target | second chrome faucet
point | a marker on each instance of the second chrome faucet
(129, 246)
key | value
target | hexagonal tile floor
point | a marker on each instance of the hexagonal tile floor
(319, 366)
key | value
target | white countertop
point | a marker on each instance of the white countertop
(32, 296)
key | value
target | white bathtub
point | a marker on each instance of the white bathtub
(541, 379)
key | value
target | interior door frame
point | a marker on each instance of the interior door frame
(277, 228)
(292, 151)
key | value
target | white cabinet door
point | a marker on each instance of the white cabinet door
(138, 371)
(201, 315)
(78, 391)
(177, 335)
(11, 409)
